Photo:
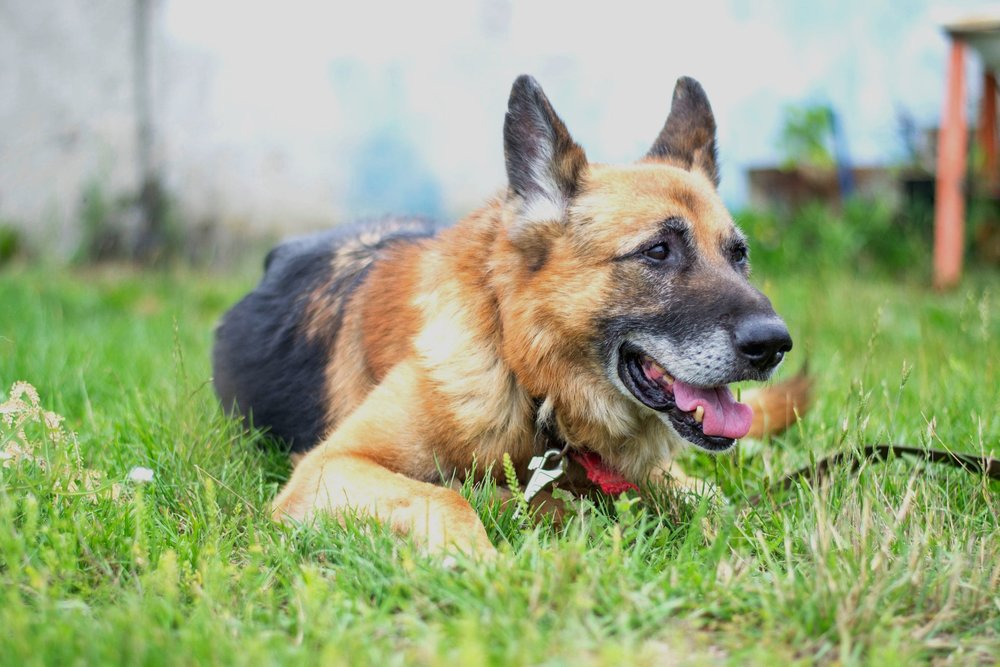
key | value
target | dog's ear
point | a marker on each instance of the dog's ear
(544, 164)
(688, 136)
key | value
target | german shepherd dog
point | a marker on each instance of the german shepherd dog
(605, 308)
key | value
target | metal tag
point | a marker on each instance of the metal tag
(547, 468)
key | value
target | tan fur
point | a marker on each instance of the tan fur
(448, 344)
(778, 406)
(370, 465)
(636, 197)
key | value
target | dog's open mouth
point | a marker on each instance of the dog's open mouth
(709, 417)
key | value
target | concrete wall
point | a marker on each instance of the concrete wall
(66, 109)
(292, 115)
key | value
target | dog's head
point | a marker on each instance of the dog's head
(632, 281)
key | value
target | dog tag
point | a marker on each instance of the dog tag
(547, 468)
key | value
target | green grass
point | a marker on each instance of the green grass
(897, 564)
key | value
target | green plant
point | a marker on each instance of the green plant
(102, 232)
(105, 235)
(806, 135)
(11, 243)
(867, 236)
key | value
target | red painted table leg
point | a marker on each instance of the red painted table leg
(949, 222)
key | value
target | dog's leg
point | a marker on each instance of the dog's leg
(435, 517)
(359, 468)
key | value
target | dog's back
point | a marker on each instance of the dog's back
(270, 357)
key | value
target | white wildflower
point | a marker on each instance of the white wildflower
(140, 474)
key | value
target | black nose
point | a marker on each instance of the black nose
(762, 341)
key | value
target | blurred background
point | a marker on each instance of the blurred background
(147, 129)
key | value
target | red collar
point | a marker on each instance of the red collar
(598, 472)
(610, 481)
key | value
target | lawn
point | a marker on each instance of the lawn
(895, 564)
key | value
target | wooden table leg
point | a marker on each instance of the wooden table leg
(949, 222)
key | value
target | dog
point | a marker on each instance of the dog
(602, 310)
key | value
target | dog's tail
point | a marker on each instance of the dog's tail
(777, 406)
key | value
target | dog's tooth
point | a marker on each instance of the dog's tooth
(699, 414)
(669, 380)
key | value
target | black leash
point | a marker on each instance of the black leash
(983, 465)
(555, 447)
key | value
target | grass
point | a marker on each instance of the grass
(897, 564)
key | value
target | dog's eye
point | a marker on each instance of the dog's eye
(740, 254)
(658, 252)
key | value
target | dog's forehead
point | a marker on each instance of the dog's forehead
(627, 204)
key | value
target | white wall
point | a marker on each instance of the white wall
(65, 108)
(299, 113)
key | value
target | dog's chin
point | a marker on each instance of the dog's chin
(655, 394)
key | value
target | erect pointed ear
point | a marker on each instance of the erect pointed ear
(544, 164)
(688, 136)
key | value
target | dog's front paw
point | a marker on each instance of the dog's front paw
(448, 525)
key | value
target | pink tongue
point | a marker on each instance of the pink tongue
(724, 416)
